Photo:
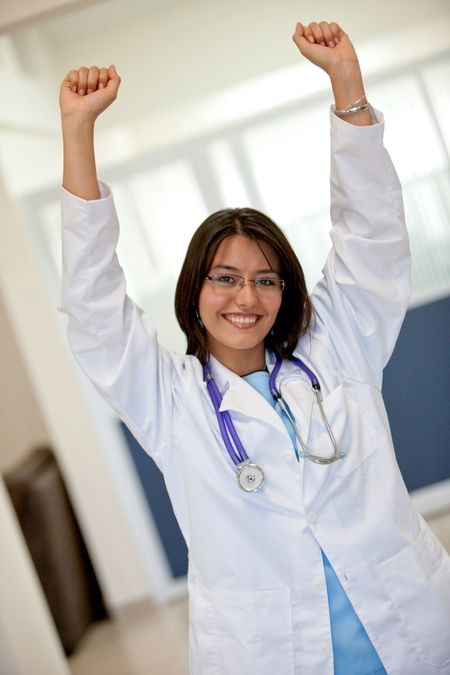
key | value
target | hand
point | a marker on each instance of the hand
(326, 45)
(87, 92)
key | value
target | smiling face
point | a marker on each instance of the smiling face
(237, 321)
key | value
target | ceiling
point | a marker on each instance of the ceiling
(56, 16)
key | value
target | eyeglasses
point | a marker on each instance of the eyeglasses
(227, 283)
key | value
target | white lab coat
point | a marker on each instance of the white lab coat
(258, 599)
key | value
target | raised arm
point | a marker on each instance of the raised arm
(84, 95)
(114, 343)
(362, 298)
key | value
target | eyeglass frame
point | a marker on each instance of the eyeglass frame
(243, 281)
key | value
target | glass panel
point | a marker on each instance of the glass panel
(162, 208)
(311, 241)
(134, 251)
(436, 79)
(169, 203)
(427, 206)
(410, 133)
(229, 180)
(289, 158)
(159, 306)
(30, 162)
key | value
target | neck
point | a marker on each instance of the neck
(242, 363)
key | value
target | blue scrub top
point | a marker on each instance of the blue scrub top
(353, 652)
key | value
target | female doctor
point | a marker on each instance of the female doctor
(306, 555)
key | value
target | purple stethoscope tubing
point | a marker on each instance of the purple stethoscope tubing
(299, 363)
(226, 425)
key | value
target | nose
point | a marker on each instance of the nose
(246, 295)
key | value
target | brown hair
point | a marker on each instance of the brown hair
(295, 312)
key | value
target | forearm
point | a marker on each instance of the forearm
(79, 173)
(348, 87)
(84, 95)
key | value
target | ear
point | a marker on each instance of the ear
(199, 319)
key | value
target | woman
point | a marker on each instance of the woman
(305, 553)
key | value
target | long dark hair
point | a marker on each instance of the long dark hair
(295, 312)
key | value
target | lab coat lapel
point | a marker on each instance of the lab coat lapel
(240, 397)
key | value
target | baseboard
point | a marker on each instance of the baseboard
(432, 500)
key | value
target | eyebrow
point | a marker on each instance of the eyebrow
(230, 268)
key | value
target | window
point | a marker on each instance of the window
(279, 164)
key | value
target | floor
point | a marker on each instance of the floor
(144, 641)
(153, 641)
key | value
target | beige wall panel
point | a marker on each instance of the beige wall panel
(22, 427)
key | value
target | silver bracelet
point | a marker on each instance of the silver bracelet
(353, 108)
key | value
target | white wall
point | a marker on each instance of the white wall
(19, 403)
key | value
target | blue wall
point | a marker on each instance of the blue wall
(159, 504)
(416, 391)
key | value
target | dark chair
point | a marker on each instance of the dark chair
(56, 545)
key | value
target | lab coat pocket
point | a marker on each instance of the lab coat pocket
(252, 632)
(353, 430)
(417, 580)
(256, 631)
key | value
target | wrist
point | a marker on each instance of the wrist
(347, 83)
(344, 71)
(78, 123)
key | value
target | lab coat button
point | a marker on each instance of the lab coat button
(324, 649)
(312, 518)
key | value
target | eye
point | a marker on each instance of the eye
(267, 282)
(224, 279)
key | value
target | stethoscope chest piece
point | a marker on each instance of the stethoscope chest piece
(250, 476)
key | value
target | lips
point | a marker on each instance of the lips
(242, 320)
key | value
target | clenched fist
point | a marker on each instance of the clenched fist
(87, 92)
(324, 44)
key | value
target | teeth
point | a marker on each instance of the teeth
(241, 319)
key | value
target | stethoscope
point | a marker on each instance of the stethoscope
(250, 476)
